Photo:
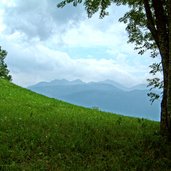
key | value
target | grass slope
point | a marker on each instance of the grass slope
(39, 133)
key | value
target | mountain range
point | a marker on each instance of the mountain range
(105, 95)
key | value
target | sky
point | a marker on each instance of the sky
(46, 43)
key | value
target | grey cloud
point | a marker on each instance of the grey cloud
(39, 18)
(33, 63)
(19, 61)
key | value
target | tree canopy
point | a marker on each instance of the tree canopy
(4, 72)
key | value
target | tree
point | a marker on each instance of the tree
(4, 72)
(149, 27)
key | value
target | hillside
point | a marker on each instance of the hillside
(107, 95)
(39, 133)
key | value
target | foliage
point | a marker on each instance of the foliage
(39, 133)
(138, 33)
(4, 72)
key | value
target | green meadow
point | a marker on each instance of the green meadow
(40, 133)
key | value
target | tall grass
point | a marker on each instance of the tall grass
(39, 133)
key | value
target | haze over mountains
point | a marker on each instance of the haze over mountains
(106, 95)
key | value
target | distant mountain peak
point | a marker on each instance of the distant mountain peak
(60, 80)
(115, 84)
(139, 87)
(77, 81)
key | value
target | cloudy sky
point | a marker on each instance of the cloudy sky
(46, 43)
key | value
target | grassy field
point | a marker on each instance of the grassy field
(39, 133)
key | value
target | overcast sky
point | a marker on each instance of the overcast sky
(46, 43)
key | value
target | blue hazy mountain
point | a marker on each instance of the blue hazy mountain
(139, 87)
(106, 95)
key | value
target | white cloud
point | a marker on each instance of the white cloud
(8, 3)
(34, 62)
(38, 19)
(95, 32)
(35, 46)
(1, 21)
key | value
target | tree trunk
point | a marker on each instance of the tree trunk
(169, 71)
(158, 26)
(165, 126)
(164, 113)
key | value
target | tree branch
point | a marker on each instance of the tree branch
(150, 22)
(161, 21)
